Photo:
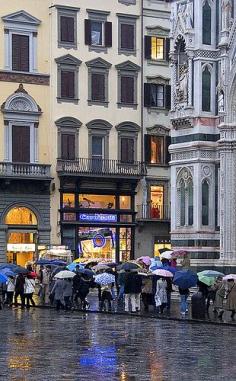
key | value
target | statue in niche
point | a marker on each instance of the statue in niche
(226, 6)
(182, 84)
(188, 14)
(221, 102)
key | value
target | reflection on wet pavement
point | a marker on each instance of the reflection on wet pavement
(45, 345)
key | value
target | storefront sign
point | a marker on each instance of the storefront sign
(98, 217)
(21, 247)
(99, 240)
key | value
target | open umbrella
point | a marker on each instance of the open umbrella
(74, 266)
(230, 277)
(166, 255)
(86, 272)
(185, 279)
(164, 273)
(178, 253)
(168, 268)
(7, 272)
(15, 268)
(100, 267)
(3, 278)
(65, 274)
(209, 281)
(128, 266)
(145, 259)
(104, 279)
(210, 273)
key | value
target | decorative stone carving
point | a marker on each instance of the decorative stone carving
(20, 104)
(226, 6)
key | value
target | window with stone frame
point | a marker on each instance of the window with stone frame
(68, 137)
(157, 48)
(20, 29)
(127, 84)
(127, 142)
(206, 88)
(206, 23)
(97, 30)
(98, 141)
(185, 194)
(67, 78)
(205, 203)
(98, 75)
(156, 149)
(67, 27)
(157, 95)
(126, 34)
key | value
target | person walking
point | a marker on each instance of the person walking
(231, 297)
(169, 290)
(185, 263)
(147, 295)
(106, 296)
(10, 290)
(220, 290)
(161, 294)
(67, 293)
(132, 290)
(83, 291)
(57, 290)
(121, 285)
(184, 293)
(45, 275)
(29, 289)
(19, 290)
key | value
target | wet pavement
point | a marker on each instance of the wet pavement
(46, 345)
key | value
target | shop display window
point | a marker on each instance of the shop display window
(68, 200)
(97, 242)
(157, 202)
(125, 202)
(93, 201)
(125, 244)
(161, 245)
(20, 216)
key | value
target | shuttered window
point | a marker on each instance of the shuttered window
(127, 89)
(127, 37)
(97, 87)
(67, 146)
(20, 144)
(127, 150)
(67, 84)
(67, 29)
(20, 52)
(98, 33)
(157, 48)
(157, 95)
(157, 149)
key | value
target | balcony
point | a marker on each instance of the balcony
(153, 212)
(100, 167)
(25, 171)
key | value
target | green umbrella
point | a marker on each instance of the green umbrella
(209, 281)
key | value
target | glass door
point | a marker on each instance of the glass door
(97, 153)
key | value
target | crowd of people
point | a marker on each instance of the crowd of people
(130, 291)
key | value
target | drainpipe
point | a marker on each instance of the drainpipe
(142, 76)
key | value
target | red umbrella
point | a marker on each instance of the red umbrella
(178, 253)
(32, 275)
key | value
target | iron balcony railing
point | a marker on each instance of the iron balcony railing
(151, 211)
(27, 170)
(84, 166)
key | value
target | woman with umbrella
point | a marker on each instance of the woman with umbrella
(161, 289)
(184, 279)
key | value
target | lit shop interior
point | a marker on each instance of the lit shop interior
(98, 225)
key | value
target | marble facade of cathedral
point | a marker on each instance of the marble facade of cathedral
(203, 113)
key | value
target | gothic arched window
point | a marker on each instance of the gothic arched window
(206, 89)
(205, 203)
(185, 198)
(182, 203)
(190, 202)
(206, 24)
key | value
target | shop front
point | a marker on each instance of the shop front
(98, 225)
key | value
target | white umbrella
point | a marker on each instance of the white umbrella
(230, 276)
(166, 255)
(65, 274)
(162, 272)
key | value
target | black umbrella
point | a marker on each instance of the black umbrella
(127, 266)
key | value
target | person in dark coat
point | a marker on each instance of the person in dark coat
(19, 290)
(57, 290)
(83, 291)
(184, 293)
(132, 291)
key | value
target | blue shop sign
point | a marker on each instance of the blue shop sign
(98, 217)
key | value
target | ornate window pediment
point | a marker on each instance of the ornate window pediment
(21, 17)
(99, 63)
(68, 122)
(158, 31)
(128, 66)
(20, 102)
(158, 130)
(68, 59)
(128, 126)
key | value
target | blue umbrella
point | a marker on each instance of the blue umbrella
(168, 268)
(15, 268)
(104, 279)
(185, 279)
(7, 272)
(74, 266)
(50, 262)
(86, 272)
(3, 278)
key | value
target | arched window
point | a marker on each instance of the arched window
(20, 216)
(206, 89)
(206, 24)
(205, 203)
(190, 203)
(182, 203)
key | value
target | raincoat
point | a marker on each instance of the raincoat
(161, 295)
(231, 297)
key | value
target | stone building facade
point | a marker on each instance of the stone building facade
(202, 138)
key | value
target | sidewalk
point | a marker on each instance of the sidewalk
(118, 309)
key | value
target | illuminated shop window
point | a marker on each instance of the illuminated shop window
(20, 216)
(69, 216)
(125, 202)
(159, 246)
(157, 48)
(125, 244)
(94, 201)
(157, 202)
(95, 242)
(68, 200)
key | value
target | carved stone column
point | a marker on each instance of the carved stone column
(227, 149)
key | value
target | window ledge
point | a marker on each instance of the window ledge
(68, 100)
(157, 62)
(67, 45)
(127, 52)
(98, 48)
(97, 103)
(128, 105)
(157, 165)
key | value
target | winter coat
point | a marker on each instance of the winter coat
(132, 283)
(57, 289)
(29, 286)
(147, 286)
(185, 263)
(19, 285)
(67, 288)
(219, 287)
(84, 286)
(231, 297)
(10, 285)
(161, 294)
